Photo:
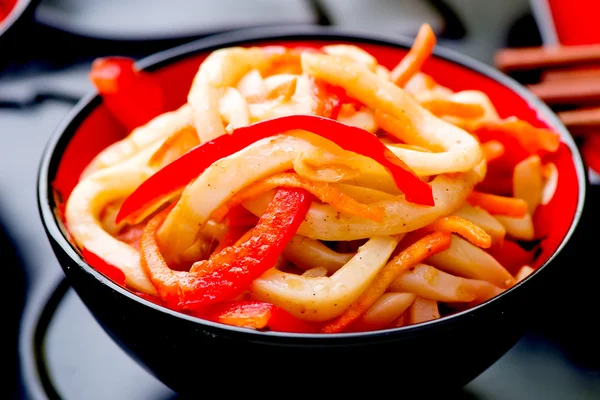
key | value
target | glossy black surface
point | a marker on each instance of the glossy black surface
(12, 265)
(449, 352)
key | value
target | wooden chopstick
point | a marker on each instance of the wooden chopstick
(529, 58)
(568, 92)
(571, 73)
(569, 76)
(581, 121)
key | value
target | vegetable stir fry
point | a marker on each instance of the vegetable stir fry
(311, 190)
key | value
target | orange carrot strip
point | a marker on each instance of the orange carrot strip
(441, 107)
(396, 127)
(164, 279)
(412, 255)
(322, 190)
(463, 227)
(413, 61)
(492, 150)
(176, 144)
(494, 204)
(531, 138)
(236, 238)
(401, 128)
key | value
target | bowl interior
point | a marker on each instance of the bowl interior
(92, 128)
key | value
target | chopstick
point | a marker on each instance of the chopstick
(528, 58)
(560, 74)
(569, 81)
(568, 91)
(581, 121)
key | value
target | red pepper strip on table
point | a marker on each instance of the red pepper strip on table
(230, 272)
(256, 315)
(182, 171)
(133, 97)
(110, 271)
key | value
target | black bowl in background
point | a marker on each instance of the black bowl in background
(191, 355)
(13, 28)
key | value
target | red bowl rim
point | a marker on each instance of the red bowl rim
(57, 143)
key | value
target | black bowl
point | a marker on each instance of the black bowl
(190, 355)
(12, 28)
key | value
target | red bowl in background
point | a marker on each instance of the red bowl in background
(575, 21)
(450, 351)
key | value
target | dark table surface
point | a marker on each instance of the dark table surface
(63, 353)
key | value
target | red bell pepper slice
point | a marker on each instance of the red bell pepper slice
(187, 167)
(500, 184)
(110, 271)
(256, 315)
(498, 179)
(240, 217)
(514, 153)
(533, 140)
(329, 99)
(133, 97)
(511, 256)
(227, 274)
(238, 222)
